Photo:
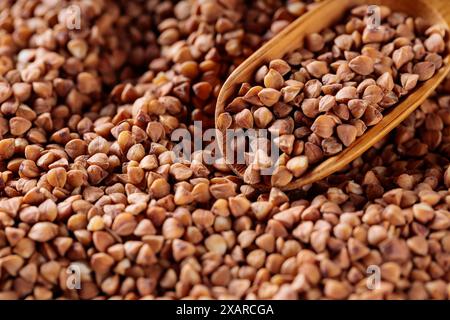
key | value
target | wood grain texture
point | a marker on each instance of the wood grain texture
(327, 14)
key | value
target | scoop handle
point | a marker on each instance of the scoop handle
(443, 7)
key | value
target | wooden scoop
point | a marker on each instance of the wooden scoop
(327, 14)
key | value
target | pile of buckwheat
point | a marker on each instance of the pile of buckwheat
(93, 205)
(320, 98)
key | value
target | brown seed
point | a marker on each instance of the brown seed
(29, 169)
(261, 209)
(18, 126)
(98, 145)
(180, 171)
(57, 177)
(124, 224)
(394, 249)
(21, 91)
(346, 94)
(146, 256)
(405, 181)
(101, 262)
(402, 56)
(314, 42)
(96, 224)
(298, 165)
(273, 79)
(386, 82)
(203, 218)
(189, 69)
(182, 249)
(76, 178)
(362, 65)
(435, 43)
(155, 131)
(252, 175)
(310, 107)
(346, 133)
(394, 215)
(331, 146)
(244, 119)
(281, 177)
(326, 103)
(75, 148)
(172, 229)
(5, 91)
(262, 116)
(372, 116)
(6, 148)
(323, 126)
(78, 48)
(88, 83)
(102, 240)
(313, 152)
(312, 89)
(376, 234)
(423, 212)
(202, 90)
(344, 42)
(418, 245)
(259, 78)
(344, 73)
(446, 177)
(291, 92)
(77, 221)
(269, 96)
(281, 66)
(250, 97)
(238, 205)
(159, 188)
(425, 70)
(436, 59)
(224, 121)
(99, 159)
(342, 112)
(43, 231)
(256, 258)
(342, 231)
(216, 243)
(14, 235)
(296, 8)
(285, 143)
(136, 152)
(12, 264)
(317, 68)
(357, 249)
(336, 290)
(390, 271)
(144, 227)
(373, 94)
(282, 126)
(357, 107)
(125, 140)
